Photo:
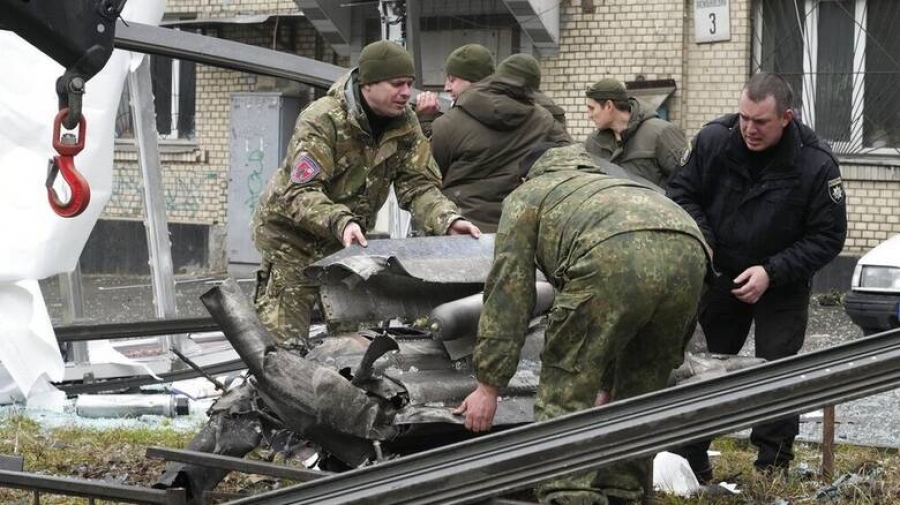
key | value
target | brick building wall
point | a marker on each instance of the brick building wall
(196, 170)
(873, 205)
(655, 39)
(652, 39)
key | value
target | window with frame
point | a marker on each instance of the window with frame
(842, 57)
(174, 94)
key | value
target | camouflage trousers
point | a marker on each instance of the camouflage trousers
(284, 300)
(625, 307)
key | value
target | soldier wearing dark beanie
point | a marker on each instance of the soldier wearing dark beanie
(383, 60)
(523, 67)
(472, 62)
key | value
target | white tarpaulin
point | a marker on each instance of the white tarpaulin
(36, 243)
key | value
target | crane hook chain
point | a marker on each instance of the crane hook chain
(67, 146)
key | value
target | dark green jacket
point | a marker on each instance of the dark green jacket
(650, 146)
(479, 143)
(555, 110)
(552, 220)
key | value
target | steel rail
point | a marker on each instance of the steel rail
(224, 54)
(129, 382)
(511, 460)
(85, 332)
(69, 486)
(235, 464)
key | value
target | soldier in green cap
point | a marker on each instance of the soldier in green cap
(631, 134)
(347, 149)
(466, 65)
(627, 265)
(525, 62)
(479, 143)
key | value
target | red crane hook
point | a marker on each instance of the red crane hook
(67, 145)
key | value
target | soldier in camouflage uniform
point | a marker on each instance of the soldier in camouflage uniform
(627, 265)
(347, 149)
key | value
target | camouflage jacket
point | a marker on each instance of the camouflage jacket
(651, 147)
(336, 172)
(563, 209)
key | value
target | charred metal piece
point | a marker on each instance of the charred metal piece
(381, 345)
(404, 278)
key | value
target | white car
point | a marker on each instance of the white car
(874, 300)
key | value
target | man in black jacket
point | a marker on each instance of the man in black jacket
(767, 194)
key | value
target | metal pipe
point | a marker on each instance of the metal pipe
(84, 332)
(459, 318)
(224, 54)
(234, 313)
(235, 464)
(90, 489)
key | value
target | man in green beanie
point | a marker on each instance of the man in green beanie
(479, 143)
(631, 134)
(466, 65)
(347, 149)
(526, 65)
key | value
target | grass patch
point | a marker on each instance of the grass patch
(862, 476)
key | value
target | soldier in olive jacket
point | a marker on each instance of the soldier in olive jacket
(347, 149)
(479, 143)
(630, 134)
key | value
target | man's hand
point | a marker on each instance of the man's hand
(479, 408)
(463, 227)
(754, 282)
(427, 104)
(353, 234)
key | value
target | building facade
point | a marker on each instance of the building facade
(690, 58)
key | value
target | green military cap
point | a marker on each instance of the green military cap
(523, 66)
(472, 62)
(607, 89)
(383, 60)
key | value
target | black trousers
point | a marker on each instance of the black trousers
(780, 317)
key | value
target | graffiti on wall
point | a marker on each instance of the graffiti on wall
(254, 182)
(183, 193)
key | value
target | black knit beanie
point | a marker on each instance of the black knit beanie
(472, 62)
(383, 60)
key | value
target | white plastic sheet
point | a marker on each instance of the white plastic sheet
(672, 474)
(35, 243)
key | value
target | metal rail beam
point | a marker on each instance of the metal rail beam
(130, 382)
(224, 53)
(235, 464)
(515, 459)
(84, 332)
(69, 486)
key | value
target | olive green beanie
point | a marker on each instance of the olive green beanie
(523, 66)
(472, 62)
(383, 60)
(607, 89)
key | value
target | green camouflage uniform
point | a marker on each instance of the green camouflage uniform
(335, 172)
(627, 265)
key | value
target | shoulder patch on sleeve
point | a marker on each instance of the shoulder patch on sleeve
(305, 170)
(836, 190)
